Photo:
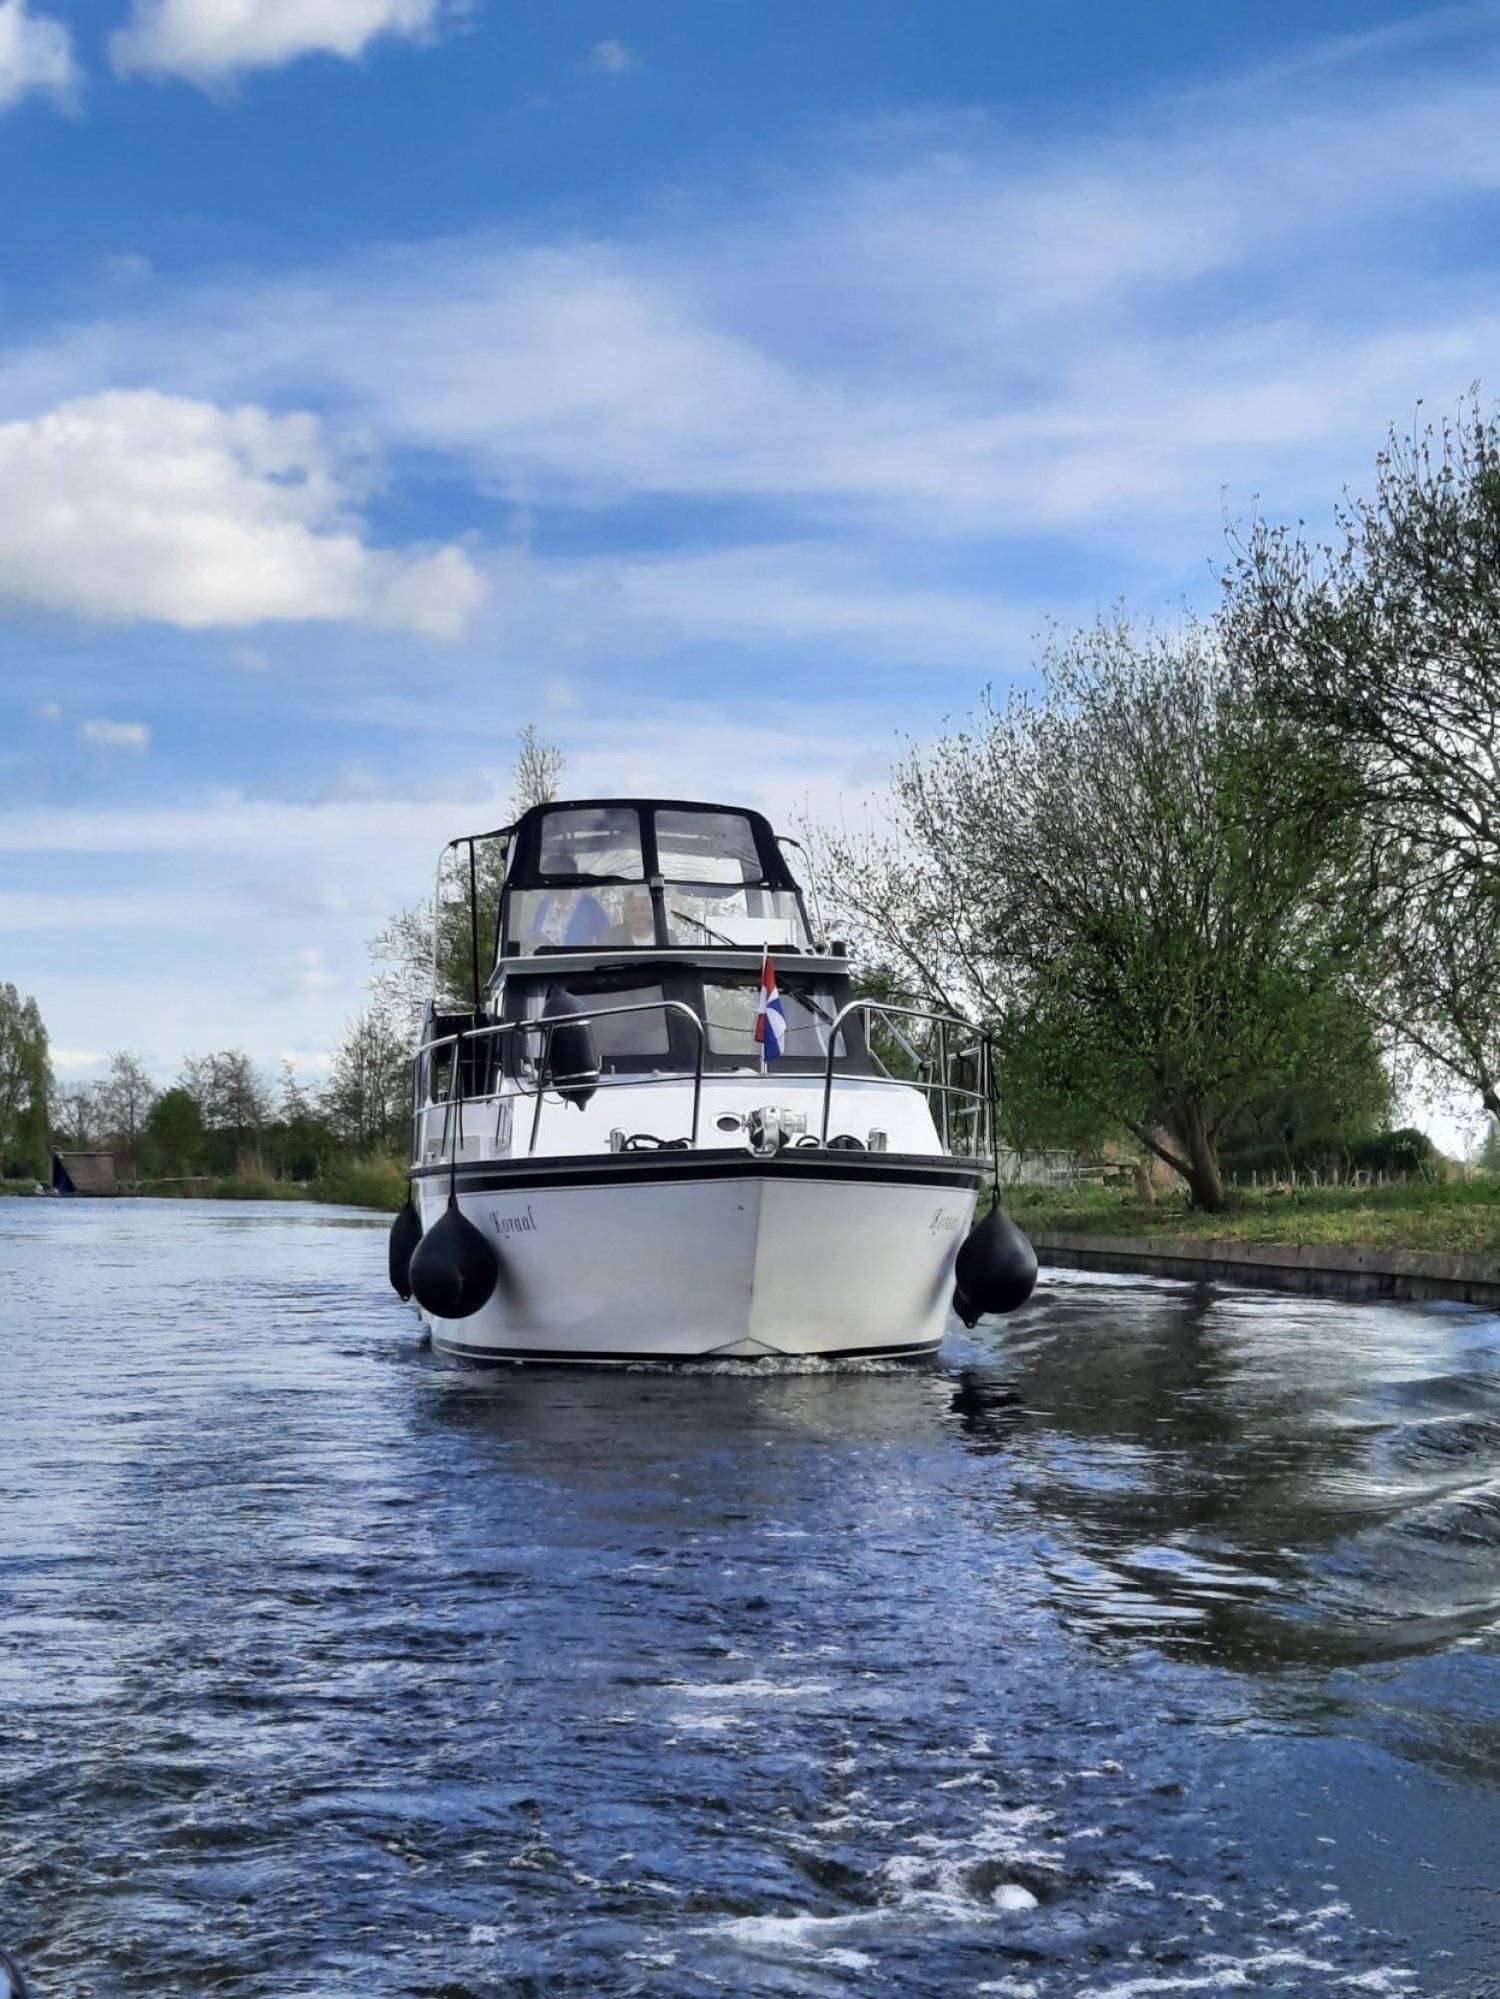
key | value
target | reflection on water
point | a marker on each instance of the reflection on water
(1146, 1644)
(1272, 1481)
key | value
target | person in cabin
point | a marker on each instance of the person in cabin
(562, 918)
(637, 925)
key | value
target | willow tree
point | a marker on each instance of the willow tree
(1385, 646)
(1135, 878)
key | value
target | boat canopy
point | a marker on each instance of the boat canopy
(648, 874)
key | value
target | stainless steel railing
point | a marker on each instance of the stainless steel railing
(960, 1110)
(934, 1070)
(513, 1035)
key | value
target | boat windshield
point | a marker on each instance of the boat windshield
(753, 917)
(611, 915)
(623, 876)
(715, 887)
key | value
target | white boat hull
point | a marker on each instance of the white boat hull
(675, 1256)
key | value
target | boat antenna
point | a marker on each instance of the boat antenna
(991, 1093)
(474, 923)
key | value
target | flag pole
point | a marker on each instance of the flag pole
(760, 1004)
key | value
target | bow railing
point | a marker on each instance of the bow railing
(467, 1071)
(961, 1111)
(472, 1052)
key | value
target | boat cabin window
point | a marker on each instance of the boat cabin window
(730, 1007)
(657, 1038)
(632, 1039)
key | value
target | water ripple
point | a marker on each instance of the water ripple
(1144, 1645)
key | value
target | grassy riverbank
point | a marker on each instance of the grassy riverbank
(1461, 1219)
(362, 1183)
(347, 1183)
(1458, 1219)
(353, 1183)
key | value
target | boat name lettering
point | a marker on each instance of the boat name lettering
(515, 1224)
(943, 1223)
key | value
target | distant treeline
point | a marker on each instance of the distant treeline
(224, 1118)
(224, 1124)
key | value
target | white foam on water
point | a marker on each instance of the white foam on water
(796, 1935)
(1289, 1960)
(751, 1690)
(771, 1367)
(937, 1876)
(1011, 1896)
(1056, 1276)
(1222, 1978)
(1331, 1912)
(934, 1882)
(1242, 1974)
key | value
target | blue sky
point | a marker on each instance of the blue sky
(730, 391)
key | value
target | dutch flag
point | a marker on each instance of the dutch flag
(770, 1019)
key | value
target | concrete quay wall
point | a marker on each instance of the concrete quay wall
(1325, 1270)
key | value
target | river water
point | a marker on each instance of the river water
(1145, 1644)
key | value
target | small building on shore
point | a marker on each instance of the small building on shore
(84, 1173)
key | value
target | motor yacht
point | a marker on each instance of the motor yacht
(666, 1125)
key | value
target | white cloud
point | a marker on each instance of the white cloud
(135, 505)
(913, 394)
(253, 915)
(312, 972)
(36, 56)
(818, 591)
(249, 659)
(957, 335)
(49, 711)
(115, 735)
(212, 41)
(91, 914)
(128, 267)
(949, 348)
(305, 1062)
(613, 57)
